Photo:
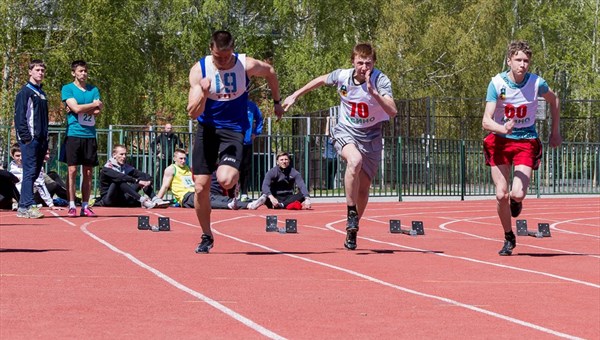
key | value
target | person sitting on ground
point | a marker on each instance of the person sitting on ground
(120, 183)
(178, 178)
(279, 185)
(41, 194)
(9, 195)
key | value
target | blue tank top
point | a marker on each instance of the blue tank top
(227, 103)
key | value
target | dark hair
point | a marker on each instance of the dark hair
(363, 50)
(518, 46)
(222, 40)
(78, 63)
(36, 62)
(14, 148)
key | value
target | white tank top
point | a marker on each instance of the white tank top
(518, 104)
(358, 109)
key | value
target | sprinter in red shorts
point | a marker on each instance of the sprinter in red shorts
(511, 105)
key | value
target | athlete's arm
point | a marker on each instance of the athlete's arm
(490, 124)
(257, 68)
(552, 99)
(385, 101)
(166, 182)
(198, 92)
(311, 85)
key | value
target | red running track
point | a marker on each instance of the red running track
(102, 278)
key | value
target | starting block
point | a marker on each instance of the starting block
(417, 228)
(271, 224)
(543, 229)
(291, 226)
(164, 224)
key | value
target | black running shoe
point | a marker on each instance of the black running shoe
(515, 208)
(510, 243)
(205, 244)
(350, 243)
(351, 230)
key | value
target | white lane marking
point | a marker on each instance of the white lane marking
(227, 311)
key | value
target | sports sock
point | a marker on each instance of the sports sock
(71, 204)
(84, 205)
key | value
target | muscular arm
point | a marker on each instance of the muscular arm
(311, 85)
(166, 181)
(198, 92)
(256, 68)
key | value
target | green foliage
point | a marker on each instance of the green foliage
(140, 52)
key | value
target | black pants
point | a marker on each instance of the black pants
(124, 194)
(286, 200)
(8, 190)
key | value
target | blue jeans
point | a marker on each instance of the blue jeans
(32, 157)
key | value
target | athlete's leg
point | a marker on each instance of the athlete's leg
(500, 176)
(227, 176)
(352, 175)
(202, 202)
(362, 197)
(71, 180)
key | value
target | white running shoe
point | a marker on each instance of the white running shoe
(255, 204)
(160, 203)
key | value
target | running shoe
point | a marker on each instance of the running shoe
(233, 205)
(32, 212)
(205, 245)
(515, 208)
(255, 204)
(87, 212)
(148, 203)
(160, 203)
(351, 231)
(72, 212)
(510, 243)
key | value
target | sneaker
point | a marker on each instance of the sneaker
(160, 203)
(87, 211)
(515, 208)
(15, 206)
(351, 231)
(244, 198)
(510, 242)
(148, 203)
(32, 212)
(205, 245)
(72, 212)
(350, 242)
(233, 204)
(260, 201)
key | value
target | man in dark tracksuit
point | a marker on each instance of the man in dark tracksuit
(31, 126)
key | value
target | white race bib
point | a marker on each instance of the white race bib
(86, 119)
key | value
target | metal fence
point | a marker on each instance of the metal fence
(433, 148)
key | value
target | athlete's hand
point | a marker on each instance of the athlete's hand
(508, 126)
(288, 102)
(555, 140)
(372, 91)
(279, 110)
(205, 85)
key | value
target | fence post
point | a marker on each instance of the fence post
(463, 171)
(306, 161)
(399, 167)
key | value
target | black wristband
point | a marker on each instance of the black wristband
(275, 102)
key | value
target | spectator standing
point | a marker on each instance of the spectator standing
(31, 126)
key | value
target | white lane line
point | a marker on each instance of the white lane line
(473, 220)
(227, 311)
(394, 286)
(553, 226)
